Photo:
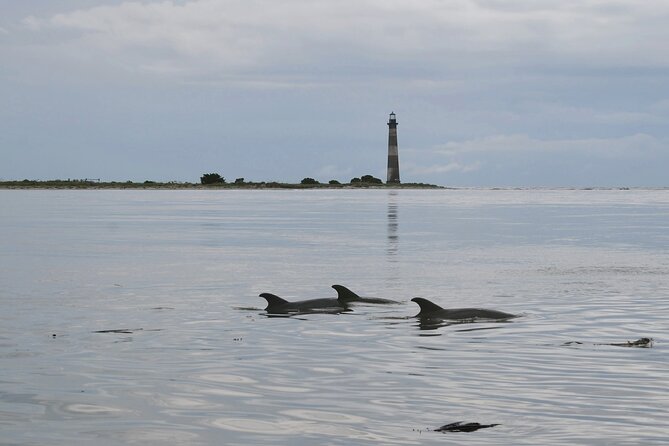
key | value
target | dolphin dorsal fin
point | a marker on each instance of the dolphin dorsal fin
(426, 306)
(344, 294)
(273, 300)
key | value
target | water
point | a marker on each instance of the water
(187, 356)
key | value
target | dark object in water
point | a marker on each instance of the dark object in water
(119, 330)
(340, 304)
(459, 426)
(345, 296)
(641, 342)
(278, 305)
(431, 310)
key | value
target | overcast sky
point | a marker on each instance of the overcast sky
(487, 92)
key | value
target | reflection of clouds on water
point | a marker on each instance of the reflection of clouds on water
(590, 270)
(226, 378)
(283, 388)
(90, 409)
(434, 324)
(323, 416)
(299, 422)
(219, 373)
(155, 435)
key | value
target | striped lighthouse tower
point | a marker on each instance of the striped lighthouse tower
(393, 157)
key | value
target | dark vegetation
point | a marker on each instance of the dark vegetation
(366, 179)
(93, 184)
(207, 180)
(212, 178)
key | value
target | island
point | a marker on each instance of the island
(212, 181)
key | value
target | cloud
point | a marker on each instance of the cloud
(325, 39)
(333, 171)
(522, 160)
(443, 168)
(627, 146)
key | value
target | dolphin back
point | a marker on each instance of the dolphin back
(273, 300)
(426, 307)
(431, 310)
(344, 294)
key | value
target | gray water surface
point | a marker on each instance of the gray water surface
(133, 317)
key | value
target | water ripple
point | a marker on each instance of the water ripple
(586, 268)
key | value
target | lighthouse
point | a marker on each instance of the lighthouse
(393, 157)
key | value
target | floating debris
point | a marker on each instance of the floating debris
(641, 342)
(459, 426)
(119, 330)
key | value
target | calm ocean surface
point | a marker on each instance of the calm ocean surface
(161, 338)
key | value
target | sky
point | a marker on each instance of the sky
(488, 93)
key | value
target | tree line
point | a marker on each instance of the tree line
(216, 178)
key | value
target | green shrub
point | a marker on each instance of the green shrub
(370, 179)
(212, 178)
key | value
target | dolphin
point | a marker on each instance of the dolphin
(430, 310)
(347, 296)
(276, 304)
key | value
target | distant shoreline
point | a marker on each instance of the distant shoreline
(273, 185)
(82, 184)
